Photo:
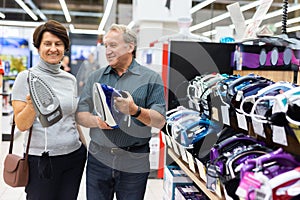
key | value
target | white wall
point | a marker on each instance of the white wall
(124, 13)
(155, 10)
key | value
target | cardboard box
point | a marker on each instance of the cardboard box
(189, 192)
(154, 152)
(174, 176)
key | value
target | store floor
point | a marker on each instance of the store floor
(154, 187)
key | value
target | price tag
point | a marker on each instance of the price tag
(191, 104)
(258, 128)
(225, 115)
(211, 182)
(279, 135)
(242, 122)
(239, 95)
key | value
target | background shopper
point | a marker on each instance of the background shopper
(65, 64)
(57, 157)
(118, 159)
(86, 68)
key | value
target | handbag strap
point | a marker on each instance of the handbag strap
(12, 139)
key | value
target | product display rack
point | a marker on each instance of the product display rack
(177, 94)
(188, 54)
(194, 176)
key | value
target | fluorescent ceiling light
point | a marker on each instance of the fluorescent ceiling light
(84, 31)
(131, 24)
(268, 16)
(288, 22)
(214, 32)
(20, 23)
(2, 15)
(25, 7)
(42, 16)
(200, 6)
(105, 15)
(65, 10)
(209, 33)
(279, 12)
(222, 16)
(210, 21)
(293, 29)
(36, 9)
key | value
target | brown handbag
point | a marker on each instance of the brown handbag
(16, 169)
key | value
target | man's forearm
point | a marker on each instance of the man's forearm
(151, 118)
(86, 119)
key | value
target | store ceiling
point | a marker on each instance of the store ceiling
(87, 14)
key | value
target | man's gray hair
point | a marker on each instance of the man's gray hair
(128, 35)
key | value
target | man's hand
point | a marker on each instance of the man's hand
(101, 124)
(125, 105)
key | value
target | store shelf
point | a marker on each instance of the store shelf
(6, 126)
(194, 176)
(13, 77)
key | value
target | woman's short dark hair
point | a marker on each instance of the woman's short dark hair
(53, 27)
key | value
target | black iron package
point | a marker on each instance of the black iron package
(45, 102)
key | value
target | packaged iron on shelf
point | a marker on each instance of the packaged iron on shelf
(189, 192)
(227, 157)
(275, 175)
(189, 129)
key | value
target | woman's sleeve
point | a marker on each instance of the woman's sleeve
(20, 87)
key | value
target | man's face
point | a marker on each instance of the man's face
(117, 51)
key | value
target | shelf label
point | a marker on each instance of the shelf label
(183, 153)
(279, 135)
(201, 169)
(258, 128)
(191, 161)
(175, 147)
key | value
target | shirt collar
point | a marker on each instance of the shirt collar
(133, 68)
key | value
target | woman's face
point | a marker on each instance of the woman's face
(51, 49)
